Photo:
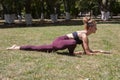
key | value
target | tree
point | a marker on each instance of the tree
(52, 10)
(9, 11)
(67, 8)
(19, 6)
(114, 7)
(42, 9)
(38, 9)
(28, 17)
(87, 6)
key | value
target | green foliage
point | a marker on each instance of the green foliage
(47, 6)
(85, 5)
(115, 8)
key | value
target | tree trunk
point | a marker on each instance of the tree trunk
(8, 10)
(67, 9)
(28, 17)
(53, 17)
(42, 9)
(42, 16)
(67, 15)
(18, 9)
(51, 8)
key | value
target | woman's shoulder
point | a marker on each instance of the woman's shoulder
(82, 33)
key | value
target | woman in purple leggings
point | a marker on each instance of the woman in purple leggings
(68, 41)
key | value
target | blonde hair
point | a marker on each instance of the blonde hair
(88, 22)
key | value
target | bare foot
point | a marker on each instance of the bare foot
(13, 47)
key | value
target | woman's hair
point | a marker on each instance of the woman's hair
(88, 22)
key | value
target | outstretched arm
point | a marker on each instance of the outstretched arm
(94, 52)
(85, 45)
(88, 51)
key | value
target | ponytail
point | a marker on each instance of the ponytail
(88, 22)
(85, 20)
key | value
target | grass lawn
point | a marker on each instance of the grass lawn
(32, 65)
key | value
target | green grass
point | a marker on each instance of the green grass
(32, 65)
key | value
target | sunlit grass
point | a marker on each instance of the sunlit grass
(32, 65)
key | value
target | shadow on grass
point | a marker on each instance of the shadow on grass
(42, 24)
(59, 23)
(111, 21)
(67, 54)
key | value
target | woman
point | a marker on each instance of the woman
(68, 41)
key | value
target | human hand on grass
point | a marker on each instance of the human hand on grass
(94, 52)
(101, 51)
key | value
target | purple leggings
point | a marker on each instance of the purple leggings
(60, 43)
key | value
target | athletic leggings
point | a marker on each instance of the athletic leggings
(60, 43)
